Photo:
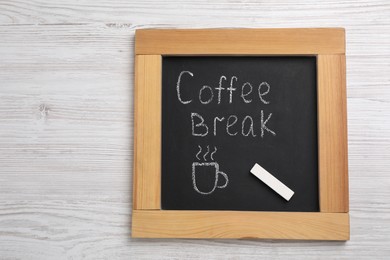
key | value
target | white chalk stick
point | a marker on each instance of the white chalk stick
(272, 182)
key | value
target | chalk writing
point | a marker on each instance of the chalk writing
(206, 153)
(246, 93)
(263, 126)
(250, 124)
(199, 168)
(264, 93)
(178, 86)
(229, 124)
(198, 125)
(211, 155)
(211, 95)
(231, 89)
(200, 150)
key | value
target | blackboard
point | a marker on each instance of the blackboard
(221, 115)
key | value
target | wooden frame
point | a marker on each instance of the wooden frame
(331, 223)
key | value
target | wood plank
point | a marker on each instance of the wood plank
(147, 132)
(66, 167)
(332, 134)
(240, 41)
(240, 224)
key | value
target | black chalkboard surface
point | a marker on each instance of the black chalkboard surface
(221, 115)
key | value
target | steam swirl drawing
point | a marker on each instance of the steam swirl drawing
(203, 167)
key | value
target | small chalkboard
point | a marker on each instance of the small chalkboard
(221, 115)
(240, 133)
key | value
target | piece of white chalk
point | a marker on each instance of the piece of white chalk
(272, 182)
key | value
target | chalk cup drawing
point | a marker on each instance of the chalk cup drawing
(202, 166)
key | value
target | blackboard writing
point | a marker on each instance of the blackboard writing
(230, 89)
(221, 115)
(206, 96)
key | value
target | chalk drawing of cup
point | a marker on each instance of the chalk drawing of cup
(205, 177)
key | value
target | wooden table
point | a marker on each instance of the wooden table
(66, 125)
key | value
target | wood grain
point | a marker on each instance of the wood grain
(66, 123)
(147, 132)
(240, 41)
(240, 224)
(332, 128)
(332, 134)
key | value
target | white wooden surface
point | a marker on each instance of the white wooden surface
(66, 105)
